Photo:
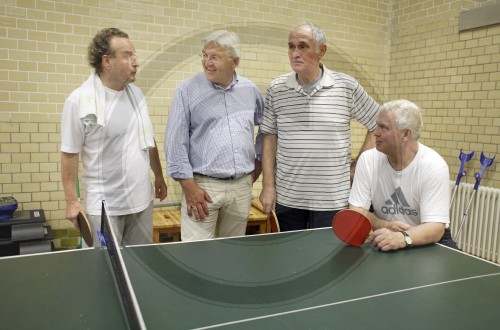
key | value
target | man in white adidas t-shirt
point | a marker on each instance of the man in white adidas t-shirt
(405, 182)
(105, 124)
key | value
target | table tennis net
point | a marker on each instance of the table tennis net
(127, 295)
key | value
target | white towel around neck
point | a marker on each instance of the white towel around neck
(92, 107)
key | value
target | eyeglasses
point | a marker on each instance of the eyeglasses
(211, 58)
(131, 58)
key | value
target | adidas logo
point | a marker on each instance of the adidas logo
(397, 204)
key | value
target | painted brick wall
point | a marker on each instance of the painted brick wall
(396, 49)
(454, 76)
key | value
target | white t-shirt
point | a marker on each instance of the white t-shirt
(115, 167)
(419, 193)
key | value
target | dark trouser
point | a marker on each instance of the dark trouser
(447, 240)
(297, 219)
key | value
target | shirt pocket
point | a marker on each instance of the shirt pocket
(242, 121)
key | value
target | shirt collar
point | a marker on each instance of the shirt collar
(326, 80)
(233, 82)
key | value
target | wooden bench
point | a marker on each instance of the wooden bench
(168, 221)
(257, 217)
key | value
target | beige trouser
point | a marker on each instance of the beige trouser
(228, 212)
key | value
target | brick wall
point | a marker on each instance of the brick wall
(396, 49)
(454, 76)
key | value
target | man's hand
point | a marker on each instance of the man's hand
(160, 188)
(196, 199)
(385, 239)
(72, 210)
(268, 199)
(397, 226)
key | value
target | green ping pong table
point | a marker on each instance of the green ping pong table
(295, 280)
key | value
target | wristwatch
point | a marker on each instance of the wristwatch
(408, 240)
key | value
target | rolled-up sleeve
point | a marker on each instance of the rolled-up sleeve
(176, 142)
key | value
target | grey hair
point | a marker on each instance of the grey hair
(225, 39)
(317, 33)
(407, 115)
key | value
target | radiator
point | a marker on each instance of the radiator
(480, 234)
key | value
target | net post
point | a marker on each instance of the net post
(127, 294)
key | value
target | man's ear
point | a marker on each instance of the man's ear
(236, 62)
(106, 61)
(406, 134)
(322, 50)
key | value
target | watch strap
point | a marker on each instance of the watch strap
(407, 239)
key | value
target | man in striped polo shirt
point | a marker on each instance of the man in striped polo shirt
(306, 146)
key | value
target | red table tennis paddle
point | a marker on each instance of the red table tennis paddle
(85, 229)
(351, 227)
(273, 222)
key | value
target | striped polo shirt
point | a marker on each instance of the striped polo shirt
(314, 144)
